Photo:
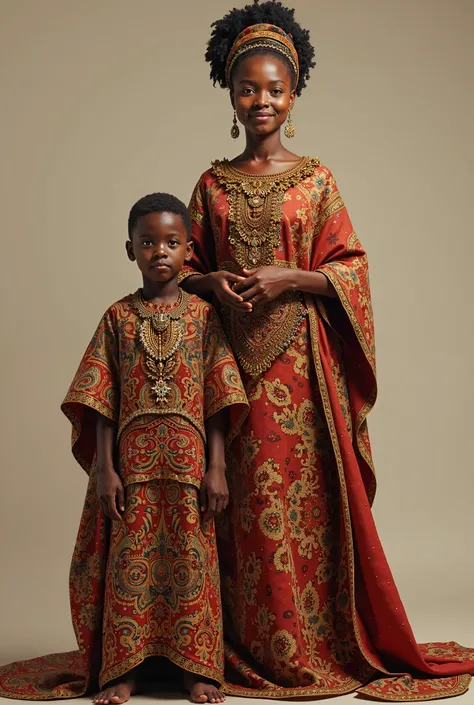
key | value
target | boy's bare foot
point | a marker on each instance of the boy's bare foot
(202, 691)
(116, 694)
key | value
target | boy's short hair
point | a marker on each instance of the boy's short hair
(158, 203)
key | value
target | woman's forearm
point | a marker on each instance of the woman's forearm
(200, 285)
(312, 283)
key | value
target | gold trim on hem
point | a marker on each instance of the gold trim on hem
(90, 402)
(462, 686)
(160, 650)
(314, 339)
(282, 693)
(66, 695)
(275, 693)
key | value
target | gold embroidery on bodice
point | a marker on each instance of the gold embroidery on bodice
(255, 209)
(255, 217)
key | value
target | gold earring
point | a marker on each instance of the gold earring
(289, 127)
(234, 130)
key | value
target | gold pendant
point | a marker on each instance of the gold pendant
(161, 335)
(161, 391)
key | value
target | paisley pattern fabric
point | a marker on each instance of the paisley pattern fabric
(147, 586)
(112, 380)
(311, 606)
(162, 595)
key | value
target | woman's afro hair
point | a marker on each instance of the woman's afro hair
(226, 30)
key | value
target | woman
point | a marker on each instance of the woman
(311, 607)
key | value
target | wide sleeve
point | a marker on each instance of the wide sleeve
(339, 255)
(204, 254)
(94, 389)
(222, 382)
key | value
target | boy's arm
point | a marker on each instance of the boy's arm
(109, 485)
(214, 490)
(216, 428)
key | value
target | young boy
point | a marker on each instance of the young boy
(149, 406)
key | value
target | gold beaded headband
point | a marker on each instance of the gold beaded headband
(265, 36)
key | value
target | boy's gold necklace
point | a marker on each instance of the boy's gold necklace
(161, 334)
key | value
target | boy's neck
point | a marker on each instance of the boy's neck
(163, 293)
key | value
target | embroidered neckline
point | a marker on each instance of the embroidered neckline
(224, 170)
(154, 307)
(255, 208)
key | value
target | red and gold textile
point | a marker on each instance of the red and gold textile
(162, 595)
(310, 604)
(147, 586)
(112, 379)
(262, 36)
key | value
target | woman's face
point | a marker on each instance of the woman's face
(262, 93)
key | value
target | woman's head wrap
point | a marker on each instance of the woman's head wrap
(263, 36)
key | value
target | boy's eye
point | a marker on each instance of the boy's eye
(147, 243)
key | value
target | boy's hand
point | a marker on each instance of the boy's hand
(214, 492)
(110, 493)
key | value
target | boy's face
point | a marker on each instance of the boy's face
(159, 245)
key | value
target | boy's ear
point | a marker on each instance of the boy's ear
(130, 252)
(189, 250)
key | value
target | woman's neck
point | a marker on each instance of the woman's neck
(265, 150)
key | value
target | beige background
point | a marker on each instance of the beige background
(106, 100)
